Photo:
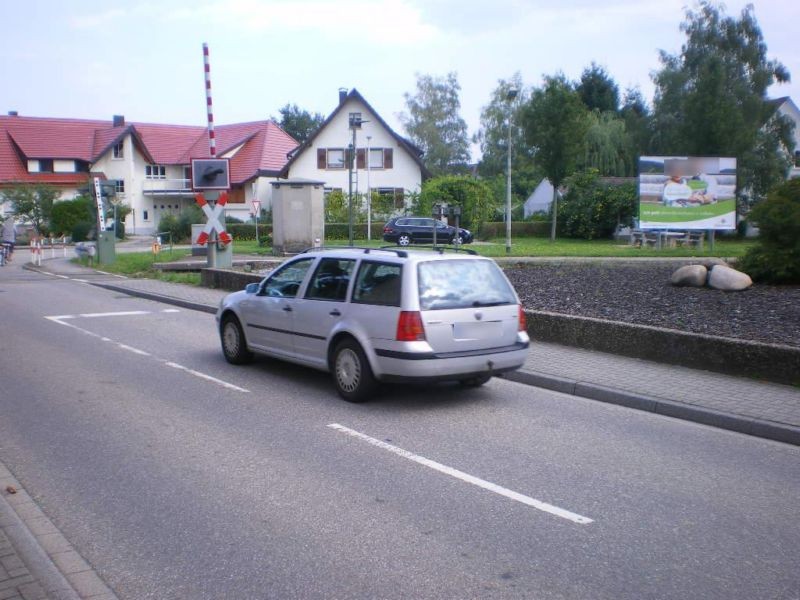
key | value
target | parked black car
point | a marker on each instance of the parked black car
(419, 230)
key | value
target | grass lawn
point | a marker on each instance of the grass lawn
(537, 246)
(140, 265)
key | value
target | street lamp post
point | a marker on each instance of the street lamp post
(510, 95)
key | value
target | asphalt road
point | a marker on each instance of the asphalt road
(180, 476)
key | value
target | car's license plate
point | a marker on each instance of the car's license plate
(478, 330)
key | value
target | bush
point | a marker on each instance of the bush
(80, 231)
(496, 229)
(181, 226)
(65, 215)
(776, 257)
(592, 209)
(474, 196)
(341, 231)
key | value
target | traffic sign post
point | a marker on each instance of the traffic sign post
(256, 212)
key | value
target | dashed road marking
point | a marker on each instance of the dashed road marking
(466, 477)
(63, 320)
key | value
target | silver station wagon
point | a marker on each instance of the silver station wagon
(380, 315)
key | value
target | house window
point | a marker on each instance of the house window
(797, 158)
(81, 166)
(146, 215)
(155, 172)
(354, 120)
(376, 158)
(119, 186)
(45, 165)
(119, 150)
(396, 194)
(335, 158)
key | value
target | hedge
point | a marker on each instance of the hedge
(496, 229)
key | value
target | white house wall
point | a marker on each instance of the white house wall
(405, 172)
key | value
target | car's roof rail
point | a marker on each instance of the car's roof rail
(437, 248)
(401, 252)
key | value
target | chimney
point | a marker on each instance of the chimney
(13, 113)
(342, 95)
(118, 120)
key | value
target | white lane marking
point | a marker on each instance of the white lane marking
(481, 483)
(201, 375)
(124, 313)
(60, 320)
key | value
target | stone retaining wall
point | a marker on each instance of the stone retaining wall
(773, 362)
(225, 279)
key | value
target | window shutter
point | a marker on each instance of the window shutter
(322, 158)
(399, 196)
(361, 158)
(388, 157)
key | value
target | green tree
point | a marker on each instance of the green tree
(592, 209)
(598, 90)
(492, 137)
(299, 123)
(637, 117)
(608, 146)
(555, 121)
(711, 98)
(32, 203)
(776, 257)
(433, 123)
(474, 196)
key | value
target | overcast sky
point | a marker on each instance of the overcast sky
(144, 60)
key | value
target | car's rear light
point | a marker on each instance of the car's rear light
(387, 229)
(522, 321)
(409, 327)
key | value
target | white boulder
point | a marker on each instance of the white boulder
(690, 275)
(728, 280)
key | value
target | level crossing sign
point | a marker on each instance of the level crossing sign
(213, 218)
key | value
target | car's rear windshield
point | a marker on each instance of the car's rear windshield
(462, 284)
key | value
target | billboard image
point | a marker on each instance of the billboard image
(680, 192)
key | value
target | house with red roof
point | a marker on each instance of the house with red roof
(149, 163)
(385, 162)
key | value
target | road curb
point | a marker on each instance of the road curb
(198, 306)
(42, 548)
(687, 412)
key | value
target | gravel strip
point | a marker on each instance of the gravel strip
(642, 294)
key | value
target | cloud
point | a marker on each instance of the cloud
(94, 20)
(396, 22)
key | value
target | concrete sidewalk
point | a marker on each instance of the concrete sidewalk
(748, 406)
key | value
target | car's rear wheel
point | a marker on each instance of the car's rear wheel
(475, 382)
(352, 374)
(403, 239)
(234, 344)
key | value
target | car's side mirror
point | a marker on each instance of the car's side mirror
(252, 288)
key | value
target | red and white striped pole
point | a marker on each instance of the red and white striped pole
(212, 142)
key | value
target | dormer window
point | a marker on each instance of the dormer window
(45, 165)
(119, 149)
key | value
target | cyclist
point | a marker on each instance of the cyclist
(9, 237)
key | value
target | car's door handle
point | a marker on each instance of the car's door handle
(335, 313)
(287, 308)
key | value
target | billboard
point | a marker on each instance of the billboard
(684, 192)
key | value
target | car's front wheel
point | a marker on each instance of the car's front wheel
(352, 374)
(404, 239)
(234, 345)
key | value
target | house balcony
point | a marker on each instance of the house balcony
(168, 187)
